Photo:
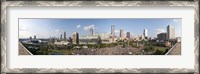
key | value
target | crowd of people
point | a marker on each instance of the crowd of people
(117, 50)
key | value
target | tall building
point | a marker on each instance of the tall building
(113, 33)
(121, 35)
(91, 31)
(170, 32)
(128, 35)
(65, 38)
(162, 36)
(75, 38)
(34, 37)
(145, 34)
(70, 40)
(112, 29)
(30, 38)
(61, 37)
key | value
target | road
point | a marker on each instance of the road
(176, 50)
(23, 50)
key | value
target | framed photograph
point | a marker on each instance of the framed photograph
(100, 37)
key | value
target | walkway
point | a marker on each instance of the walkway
(23, 50)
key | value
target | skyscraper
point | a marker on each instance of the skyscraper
(34, 37)
(121, 35)
(61, 37)
(112, 29)
(113, 33)
(170, 32)
(128, 35)
(75, 38)
(30, 38)
(145, 33)
(91, 31)
(65, 36)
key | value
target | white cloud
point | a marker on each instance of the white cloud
(78, 26)
(160, 31)
(87, 28)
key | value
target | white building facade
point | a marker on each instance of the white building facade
(145, 33)
(170, 32)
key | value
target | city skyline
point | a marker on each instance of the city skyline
(45, 28)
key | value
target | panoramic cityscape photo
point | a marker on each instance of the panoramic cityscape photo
(99, 36)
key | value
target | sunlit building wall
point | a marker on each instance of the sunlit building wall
(170, 32)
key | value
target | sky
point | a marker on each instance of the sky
(54, 27)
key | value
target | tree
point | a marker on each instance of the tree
(166, 50)
(160, 52)
(44, 49)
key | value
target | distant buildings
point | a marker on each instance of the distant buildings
(105, 36)
(61, 37)
(75, 38)
(61, 42)
(91, 31)
(169, 36)
(34, 41)
(30, 38)
(108, 37)
(121, 35)
(65, 38)
(167, 43)
(128, 35)
(170, 32)
(34, 37)
(142, 37)
(113, 33)
(95, 39)
(162, 36)
(70, 40)
(145, 33)
(88, 40)
(113, 30)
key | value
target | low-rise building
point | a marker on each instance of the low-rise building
(61, 42)
(88, 40)
(162, 37)
(178, 39)
(167, 43)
